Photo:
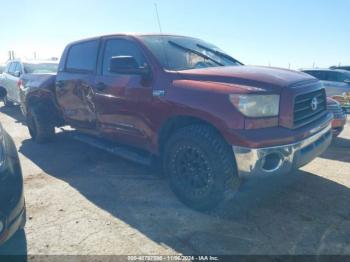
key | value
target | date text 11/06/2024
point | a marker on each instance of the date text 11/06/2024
(173, 258)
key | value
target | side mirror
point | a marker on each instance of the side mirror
(347, 81)
(17, 74)
(126, 65)
(3, 93)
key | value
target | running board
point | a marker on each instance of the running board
(124, 152)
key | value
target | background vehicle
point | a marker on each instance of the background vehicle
(207, 118)
(339, 120)
(347, 68)
(344, 102)
(12, 204)
(336, 82)
(15, 69)
(2, 67)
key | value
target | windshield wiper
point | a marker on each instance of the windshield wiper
(218, 53)
(194, 52)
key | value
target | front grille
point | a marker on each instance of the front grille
(304, 113)
(336, 110)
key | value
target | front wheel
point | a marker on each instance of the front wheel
(200, 167)
(40, 129)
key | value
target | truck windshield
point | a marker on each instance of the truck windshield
(40, 68)
(183, 53)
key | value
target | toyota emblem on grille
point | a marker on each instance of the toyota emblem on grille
(314, 104)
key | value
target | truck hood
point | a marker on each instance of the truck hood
(247, 78)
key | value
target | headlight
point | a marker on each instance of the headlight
(256, 105)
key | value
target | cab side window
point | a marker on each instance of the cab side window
(18, 68)
(121, 47)
(82, 57)
(12, 68)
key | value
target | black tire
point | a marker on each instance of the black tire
(200, 166)
(7, 102)
(41, 130)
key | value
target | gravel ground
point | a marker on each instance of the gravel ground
(81, 200)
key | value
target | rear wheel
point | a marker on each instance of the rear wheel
(41, 130)
(7, 102)
(200, 166)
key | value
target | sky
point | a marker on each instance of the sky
(281, 33)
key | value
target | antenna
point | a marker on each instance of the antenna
(157, 14)
(161, 32)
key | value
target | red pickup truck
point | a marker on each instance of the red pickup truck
(209, 119)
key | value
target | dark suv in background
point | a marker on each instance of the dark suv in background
(336, 82)
(347, 68)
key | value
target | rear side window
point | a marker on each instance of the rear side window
(82, 57)
(12, 68)
(18, 68)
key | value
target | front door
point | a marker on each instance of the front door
(74, 85)
(123, 101)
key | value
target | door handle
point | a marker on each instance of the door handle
(101, 86)
(59, 84)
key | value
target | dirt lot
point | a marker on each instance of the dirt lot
(81, 200)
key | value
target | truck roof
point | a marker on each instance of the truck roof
(136, 35)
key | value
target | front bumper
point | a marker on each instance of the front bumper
(281, 159)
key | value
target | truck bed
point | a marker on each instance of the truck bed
(30, 81)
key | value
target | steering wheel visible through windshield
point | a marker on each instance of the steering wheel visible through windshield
(178, 53)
